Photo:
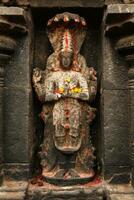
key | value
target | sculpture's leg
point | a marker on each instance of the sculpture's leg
(62, 165)
(72, 162)
(85, 157)
(48, 153)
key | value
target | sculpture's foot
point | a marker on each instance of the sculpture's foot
(70, 177)
(73, 173)
(60, 173)
(84, 174)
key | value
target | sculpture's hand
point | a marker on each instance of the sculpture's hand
(93, 74)
(37, 75)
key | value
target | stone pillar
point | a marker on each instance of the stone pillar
(115, 94)
(125, 46)
(7, 47)
(15, 92)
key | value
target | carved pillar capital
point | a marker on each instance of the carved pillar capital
(120, 25)
(15, 2)
(12, 25)
(125, 46)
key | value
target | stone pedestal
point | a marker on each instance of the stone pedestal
(47, 192)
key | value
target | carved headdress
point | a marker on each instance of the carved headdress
(66, 31)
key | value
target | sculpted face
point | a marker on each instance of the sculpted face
(66, 59)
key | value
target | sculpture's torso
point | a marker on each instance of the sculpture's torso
(66, 84)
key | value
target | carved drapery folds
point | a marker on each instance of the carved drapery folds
(10, 29)
(121, 27)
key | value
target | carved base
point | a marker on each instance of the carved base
(13, 190)
(95, 190)
(81, 192)
(69, 177)
(69, 181)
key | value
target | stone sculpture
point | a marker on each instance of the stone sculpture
(66, 88)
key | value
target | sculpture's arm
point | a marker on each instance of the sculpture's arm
(92, 83)
(90, 76)
(38, 83)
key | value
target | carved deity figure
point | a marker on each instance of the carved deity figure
(66, 87)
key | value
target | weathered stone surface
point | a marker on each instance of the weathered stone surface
(132, 176)
(7, 46)
(119, 20)
(1, 174)
(119, 189)
(121, 197)
(117, 174)
(18, 71)
(12, 11)
(17, 171)
(107, 2)
(119, 8)
(67, 3)
(1, 128)
(17, 127)
(125, 44)
(114, 68)
(132, 133)
(119, 192)
(116, 128)
(13, 190)
(128, 1)
(71, 193)
(17, 136)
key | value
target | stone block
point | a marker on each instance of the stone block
(67, 3)
(18, 72)
(1, 174)
(120, 8)
(13, 190)
(17, 171)
(115, 125)
(128, 1)
(131, 92)
(115, 72)
(18, 127)
(49, 192)
(1, 125)
(121, 197)
(107, 2)
(117, 174)
(12, 11)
